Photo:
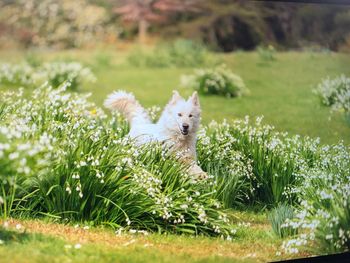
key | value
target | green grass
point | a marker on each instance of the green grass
(281, 90)
(46, 241)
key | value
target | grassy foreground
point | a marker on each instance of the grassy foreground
(280, 90)
(39, 241)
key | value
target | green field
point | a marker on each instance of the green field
(280, 90)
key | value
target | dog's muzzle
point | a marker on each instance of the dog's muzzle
(185, 129)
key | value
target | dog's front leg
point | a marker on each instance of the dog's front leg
(194, 169)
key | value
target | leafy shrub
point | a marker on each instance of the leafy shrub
(335, 93)
(75, 163)
(219, 80)
(278, 217)
(54, 72)
(181, 53)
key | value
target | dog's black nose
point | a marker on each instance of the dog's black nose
(185, 126)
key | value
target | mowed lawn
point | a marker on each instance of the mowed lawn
(280, 90)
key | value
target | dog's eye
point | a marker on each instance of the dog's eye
(190, 115)
(179, 114)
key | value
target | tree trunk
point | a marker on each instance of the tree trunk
(143, 26)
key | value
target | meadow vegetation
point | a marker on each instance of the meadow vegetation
(217, 81)
(64, 158)
(335, 93)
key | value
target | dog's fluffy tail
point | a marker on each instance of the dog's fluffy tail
(126, 104)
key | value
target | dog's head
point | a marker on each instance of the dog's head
(186, 113)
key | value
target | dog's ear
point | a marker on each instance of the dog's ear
(195, 99)
(176, 96)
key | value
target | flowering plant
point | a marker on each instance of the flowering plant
(335, 93)
(219, 80)
(54, 72)
(74, 163)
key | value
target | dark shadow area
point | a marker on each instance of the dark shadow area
(9, 237)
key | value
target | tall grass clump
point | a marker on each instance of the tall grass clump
(75, 163)
(230, 169)
(279, 169)
(55, 73)
(180, 53)
(218, 81)
(7, 190)
(323, 214)
(278, 217)
(268, 156)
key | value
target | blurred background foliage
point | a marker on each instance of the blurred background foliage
(223, 25)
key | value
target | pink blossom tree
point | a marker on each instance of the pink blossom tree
(146, 12)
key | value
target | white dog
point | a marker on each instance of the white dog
(176, 128)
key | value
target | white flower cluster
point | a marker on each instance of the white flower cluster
(154, 112)
(17, 74)
(335, 93)
(55, 73)
(219, 80)
(284, 168)
(26, 143)
(324, 197)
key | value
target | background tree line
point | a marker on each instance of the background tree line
(224, 25)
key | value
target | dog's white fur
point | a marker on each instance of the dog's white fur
(171, 127)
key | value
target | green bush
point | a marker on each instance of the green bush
(219, 81)
(181, 53)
